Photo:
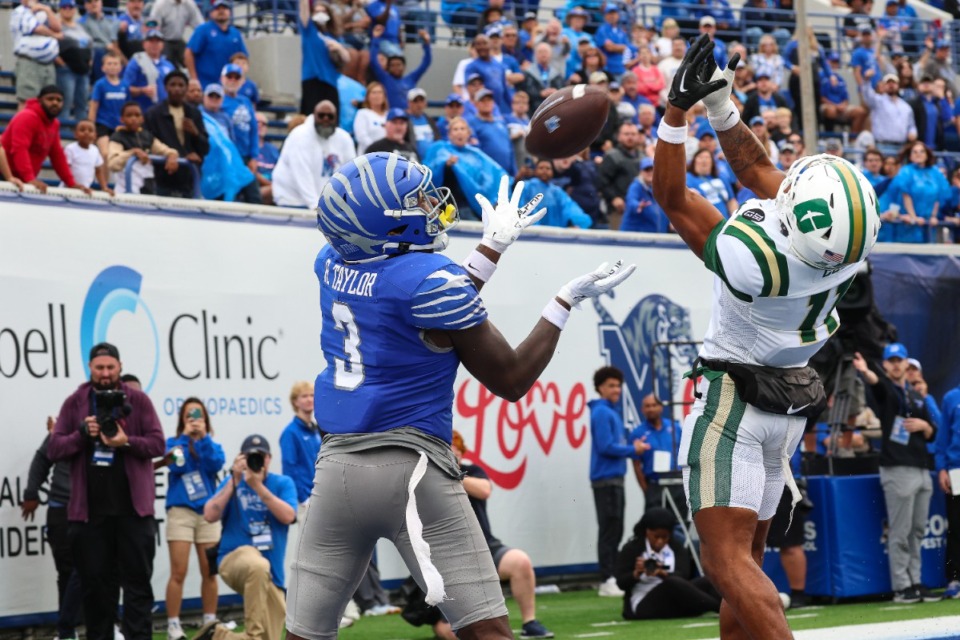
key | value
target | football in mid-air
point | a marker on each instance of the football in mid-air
(568, 121)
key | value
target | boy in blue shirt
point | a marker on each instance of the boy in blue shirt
(107, 99)
(608, 464)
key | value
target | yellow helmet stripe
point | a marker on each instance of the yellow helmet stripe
(856, 240)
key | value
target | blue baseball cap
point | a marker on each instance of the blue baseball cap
(255, 443)
(757, 120)
(646, 163)
(943, 43)
(454, 98)
(577, 11)
(153, 34)
(474, 76)
(67, 3)
(610, 8)
(219, 3)
(231, 68)
(833, 56)
(895, 350)
(213, 89)
(397, 113)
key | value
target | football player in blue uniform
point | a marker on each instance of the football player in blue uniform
(398, 319)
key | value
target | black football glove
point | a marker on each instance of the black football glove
(693, 80)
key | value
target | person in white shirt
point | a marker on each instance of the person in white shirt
(312, 153)
(86, 161)
(368, 125)
(652, 580)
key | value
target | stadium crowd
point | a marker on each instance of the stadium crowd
(177, 116)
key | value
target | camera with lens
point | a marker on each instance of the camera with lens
(650, 565)
(111, 405)
(255, 461)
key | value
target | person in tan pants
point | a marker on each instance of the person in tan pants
(257, 508)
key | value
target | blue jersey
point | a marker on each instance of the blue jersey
(243, 115)
(110, 99)
(380, 374)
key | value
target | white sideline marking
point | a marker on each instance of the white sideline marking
(614, 623)
(802, 615)
(899, 607)
(598, 634)
(922, 629)
(697, 625)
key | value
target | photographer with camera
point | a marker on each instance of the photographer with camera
(110, 432)
(194, 460)
(654, 583)
(257, 508)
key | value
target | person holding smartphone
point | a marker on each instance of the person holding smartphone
(194, 460)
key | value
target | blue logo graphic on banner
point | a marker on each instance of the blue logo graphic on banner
(648, 347)
(115, 289)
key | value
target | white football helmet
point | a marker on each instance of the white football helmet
(831, 211)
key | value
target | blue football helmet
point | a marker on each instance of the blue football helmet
(381, 204)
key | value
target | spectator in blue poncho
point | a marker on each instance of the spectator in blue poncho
(562, 211)
(464, 169)
(642, 213)
(922, 189)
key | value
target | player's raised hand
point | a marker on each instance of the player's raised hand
(504, 223)
(716, 102)
(694, 78)
(599, 281)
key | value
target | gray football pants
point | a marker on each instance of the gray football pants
(361, 497)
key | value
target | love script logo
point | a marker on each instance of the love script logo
(545, 411)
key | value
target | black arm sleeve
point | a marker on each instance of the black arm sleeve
(39, 472)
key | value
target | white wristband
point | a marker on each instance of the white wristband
(556, 314)
(673, 135)
(480, 266)
(726, 118)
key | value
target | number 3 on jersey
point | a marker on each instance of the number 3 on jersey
(349, 373)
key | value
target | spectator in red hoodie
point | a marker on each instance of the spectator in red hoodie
(33, 135)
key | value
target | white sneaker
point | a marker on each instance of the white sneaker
(610, 589)
(117, 634)
(352, 612)
(345, 622)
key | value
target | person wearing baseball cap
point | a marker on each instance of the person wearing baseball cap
(891, 117)
(212, 44)
(109, 433)
(906, 428)
(395, 140)
(256, 508)
(422, 127)
(452, 108)
(613, 40)
(641, 212)
(708, 25)
(765, 98)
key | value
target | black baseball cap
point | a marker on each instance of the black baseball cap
(104, 349)
(255, 443)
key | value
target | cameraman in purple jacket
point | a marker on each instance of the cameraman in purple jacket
(112, 495)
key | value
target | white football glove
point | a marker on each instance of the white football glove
(599, 281)
(720, 109)
(504, 224)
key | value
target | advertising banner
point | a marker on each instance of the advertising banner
(226, 309)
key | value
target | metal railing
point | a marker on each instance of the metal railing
(158, 160)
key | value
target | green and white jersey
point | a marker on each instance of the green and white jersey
(769, 307)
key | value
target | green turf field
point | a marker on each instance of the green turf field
(583, 614)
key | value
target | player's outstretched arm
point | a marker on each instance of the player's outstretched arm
(509, 372)
(688, 211)
(741, 149)
(502, 225)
